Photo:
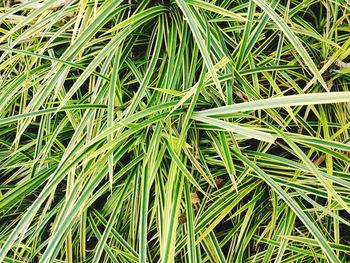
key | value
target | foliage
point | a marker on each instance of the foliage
(187, 131)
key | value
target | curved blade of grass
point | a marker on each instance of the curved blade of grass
(248, 132)
(293, 100)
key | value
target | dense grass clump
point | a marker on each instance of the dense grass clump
(175, 131)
